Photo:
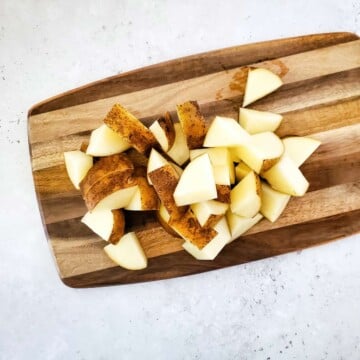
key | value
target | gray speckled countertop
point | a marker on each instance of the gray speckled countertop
(303, 305)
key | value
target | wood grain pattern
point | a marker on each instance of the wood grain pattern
(320, 98)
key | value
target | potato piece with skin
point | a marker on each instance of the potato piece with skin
(241, 170)
(165, 180)
(128, 252)
(156, 160)
(163, 216)
(285, 177)
(260, 82)
(108, 224)
(209, 212)
(164, 131)
(255, 121)
(189, 228)
(213, 248)
(130, 128)
(105, 142)
(179, 152)
(77, 166)
(239, 225)
(262, 151)
(245, 197)
(273, 202)
(145, 197)
(225, 132)
(192, 122)
(196, 183)
(223, 193)
(299, 148)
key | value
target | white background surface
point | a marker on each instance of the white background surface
(303, 305)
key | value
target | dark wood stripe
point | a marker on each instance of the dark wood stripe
(248, 248)
(188, 67)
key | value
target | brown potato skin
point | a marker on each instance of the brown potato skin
(223, 193)
(149, 198)
(189, 227)
(193, 123)
(132, 129)
(84, 145)
(167, 124)
(166, 226)
(118, 229)
(213, 220)
(165, 180)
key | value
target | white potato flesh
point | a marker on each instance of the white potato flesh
(127, 253)
(213, 248)
(241, 170)
(245, 196)
(179, 152)
(164, 213)
(117, 200)
(260, 82)
(156, 161)
(263, 149)
(104, 142)
(225, 132)
(285, 177)
(77, 165)
(299, 148)
(203, 210)
(273, 202)
(255, 121)
(135, 203)
(101, 222)
(177, 168)
(239, 225)
(160, 135)
(197, 182)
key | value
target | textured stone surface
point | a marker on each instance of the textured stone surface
(298, 306)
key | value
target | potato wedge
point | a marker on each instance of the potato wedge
(163, 216)
(241, 170)
(245, 197)
(104, 142)
(239, 225)
(179, 152)
(213, 248)
(193, 123)
(130, 128)
(260, 82)
(165, 180)
(108, 224)
(164, 131)
(223, 193)
(128, 252)
(189, 228)
(209, 212)
(255, 121)
(77, 166)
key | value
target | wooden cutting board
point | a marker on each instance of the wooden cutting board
(320, 97)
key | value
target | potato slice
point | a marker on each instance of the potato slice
(262, 151)
(209, 212)
(260, 82)
(130, 128)
(239, 225)
(273, 202)
(77, 166)
(225, 132)
(196, 183)
(163, 216)
(299, 148)
(165, 179)
(192, 122)
(285, 177)
(164, 131)
(245, 196)
(145, 197)
(189, 228)
(221, 161)
(241, 170)
(223, 193)
(178, 169)
(108, 224)
(127, 253)
(213, 248)
(179, 152)
(254, 121)
(104, 142)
